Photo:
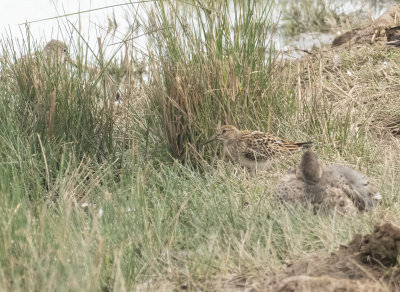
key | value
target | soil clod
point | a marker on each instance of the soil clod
(367, 263)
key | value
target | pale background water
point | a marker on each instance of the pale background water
(94, 24)
(90, 24)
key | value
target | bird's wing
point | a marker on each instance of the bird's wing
(291, 190)
(261, 146)
(357, 185)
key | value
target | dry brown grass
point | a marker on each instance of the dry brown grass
(348, 101)
(359, 86)
(166, 224)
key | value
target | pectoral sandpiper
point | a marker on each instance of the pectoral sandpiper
(253, 149)
(55, 50)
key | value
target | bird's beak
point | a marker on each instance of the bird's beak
(213, 138)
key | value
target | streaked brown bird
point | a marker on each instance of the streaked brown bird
(56, 51)
(253, 149)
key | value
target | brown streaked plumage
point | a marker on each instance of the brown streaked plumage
(253, 149)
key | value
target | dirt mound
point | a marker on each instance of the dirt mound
(385, 28)
(367, 263)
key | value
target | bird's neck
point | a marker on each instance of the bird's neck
(233, 142)
(230, 143)
(231, 150)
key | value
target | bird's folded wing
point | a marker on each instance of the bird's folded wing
(261, 146)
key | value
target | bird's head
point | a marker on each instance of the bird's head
(310, 170)
(225, 133)
(56, 50)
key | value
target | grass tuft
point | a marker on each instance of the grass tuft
(212, 69)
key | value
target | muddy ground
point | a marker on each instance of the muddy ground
(367, 263)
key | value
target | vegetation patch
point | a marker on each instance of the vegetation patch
(304, 16)
(118, 198)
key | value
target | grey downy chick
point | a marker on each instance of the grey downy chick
(327, 187)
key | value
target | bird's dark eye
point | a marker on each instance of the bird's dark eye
(223, 131)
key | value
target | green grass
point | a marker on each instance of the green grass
(173, 215)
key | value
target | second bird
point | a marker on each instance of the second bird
(253, 149)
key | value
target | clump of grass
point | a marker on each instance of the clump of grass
(220, 72)
(209, 70)
(50, 99)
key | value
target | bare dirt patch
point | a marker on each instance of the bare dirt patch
(367, 263)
